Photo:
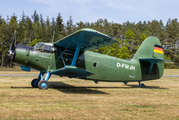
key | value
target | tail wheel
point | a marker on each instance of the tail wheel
(142, 85)
(34, 83)
(43, 84)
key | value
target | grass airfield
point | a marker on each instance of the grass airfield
(78, 99)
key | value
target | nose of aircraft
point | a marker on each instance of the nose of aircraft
(11, 55)
(22, 54)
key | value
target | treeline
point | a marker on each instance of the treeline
(33, 29)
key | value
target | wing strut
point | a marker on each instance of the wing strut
(61, 56)
(77, 51)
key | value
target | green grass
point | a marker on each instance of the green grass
(78, 99)
(16, 70)
(171, 71)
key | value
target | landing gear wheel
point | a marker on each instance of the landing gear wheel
(43, 84)
(34, 83)
(142, 85)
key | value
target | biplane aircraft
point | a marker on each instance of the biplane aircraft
(71, 57)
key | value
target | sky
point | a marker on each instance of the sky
(117, 11)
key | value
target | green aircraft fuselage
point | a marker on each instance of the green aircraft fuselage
(104, 67)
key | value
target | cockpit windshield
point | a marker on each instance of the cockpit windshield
(44, 47)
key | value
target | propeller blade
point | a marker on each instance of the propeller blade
(13, 41)
(10, 51)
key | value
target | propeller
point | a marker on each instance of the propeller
(10, 52)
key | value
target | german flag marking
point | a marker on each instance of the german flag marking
(158, 49)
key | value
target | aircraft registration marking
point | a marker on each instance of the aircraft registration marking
(45, 56)
(126, 66)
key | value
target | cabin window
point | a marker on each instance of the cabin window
(95, 64)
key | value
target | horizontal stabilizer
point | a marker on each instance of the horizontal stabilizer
(156, 60)
(153, 61)
(72, 72)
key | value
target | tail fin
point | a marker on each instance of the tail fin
(151, 57)
(150, 48)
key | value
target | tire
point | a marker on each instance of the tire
(34, 83)
(43, 84)
(142, 85)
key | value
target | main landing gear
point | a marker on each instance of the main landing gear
(34, 83)
(41, 83)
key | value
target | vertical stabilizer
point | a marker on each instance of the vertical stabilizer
(150, 48)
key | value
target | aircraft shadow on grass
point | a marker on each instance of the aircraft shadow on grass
(146, 87)
(59, 85)
(70, 89)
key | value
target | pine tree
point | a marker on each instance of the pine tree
(129, 42)
(69, 27)
(99, 25)
(29, 30)
(48, 31)
(59, 28)
(116, 30)
(21, 32)
(23, 19)
(172, 29)
(1, 19)
(80, 25)
(42, 28)
(87, 25)
(2, 39)
(35, 17)
(107, 28)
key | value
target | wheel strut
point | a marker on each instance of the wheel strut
(43, 83)
(35, 82)
(142, 85)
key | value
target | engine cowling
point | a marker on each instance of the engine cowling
(22, 55)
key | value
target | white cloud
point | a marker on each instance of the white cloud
(44, 1)
(115, 10)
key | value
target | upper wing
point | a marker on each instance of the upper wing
(90, 39)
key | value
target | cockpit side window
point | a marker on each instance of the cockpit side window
(47, 48)
(41, 46)
(38, 46)
(44, 48)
